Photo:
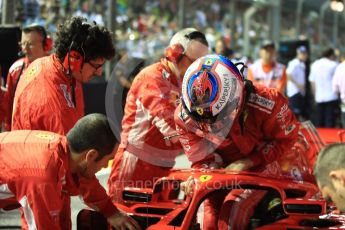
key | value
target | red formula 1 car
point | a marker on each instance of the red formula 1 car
(282, 204)
(244, 201)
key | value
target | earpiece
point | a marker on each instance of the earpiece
(48, 44)
(73, 61)
(179, 43)
(174, 52)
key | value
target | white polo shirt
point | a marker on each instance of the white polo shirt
(339, 81)
(321, 73)
(296, 70)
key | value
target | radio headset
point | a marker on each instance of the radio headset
(67, 66)
(74, 60)
(47, 44)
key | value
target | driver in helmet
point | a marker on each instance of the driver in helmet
(224, 121)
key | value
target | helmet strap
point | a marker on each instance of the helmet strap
(248, 89)
(242, 69)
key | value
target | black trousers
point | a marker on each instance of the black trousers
(327, 114)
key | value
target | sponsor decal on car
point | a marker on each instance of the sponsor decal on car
(205, 178)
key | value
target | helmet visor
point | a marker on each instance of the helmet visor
(229, 110)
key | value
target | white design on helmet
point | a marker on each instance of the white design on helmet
(231, 89)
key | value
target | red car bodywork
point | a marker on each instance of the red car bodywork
(164, 210)
(166, 207)
(331, 135)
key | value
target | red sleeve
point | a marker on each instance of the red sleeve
(280, 129)
(41, 203)
(95, 196)
(8, 102)
(16, 70)
(159, 101)
(2, 106)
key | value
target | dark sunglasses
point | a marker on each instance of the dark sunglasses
(95, 66)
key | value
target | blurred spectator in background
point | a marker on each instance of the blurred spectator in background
(267, 71)
(35, 43)
(125, 71)
(149, 144)
(220, 47)
(229, 53)
(122, 71)
(210, 35)
(321, 75)
(223, 50)
(296, 85)
(218, 14)
(31, 10)
(339, 88)
(92, 12)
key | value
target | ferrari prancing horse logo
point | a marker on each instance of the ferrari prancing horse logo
(204, 178)
(209, 61)
(200, 111)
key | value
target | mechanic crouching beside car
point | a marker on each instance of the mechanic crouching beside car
(329, 172)
(225, 121)
(38, 169)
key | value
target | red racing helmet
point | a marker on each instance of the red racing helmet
(212, 90)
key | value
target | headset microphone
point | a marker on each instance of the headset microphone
(21, 54)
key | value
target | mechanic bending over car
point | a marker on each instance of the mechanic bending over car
(225, 121)
(40, 168)
(148, 149)
(329, 171)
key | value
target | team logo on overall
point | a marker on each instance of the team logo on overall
(32, 71)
